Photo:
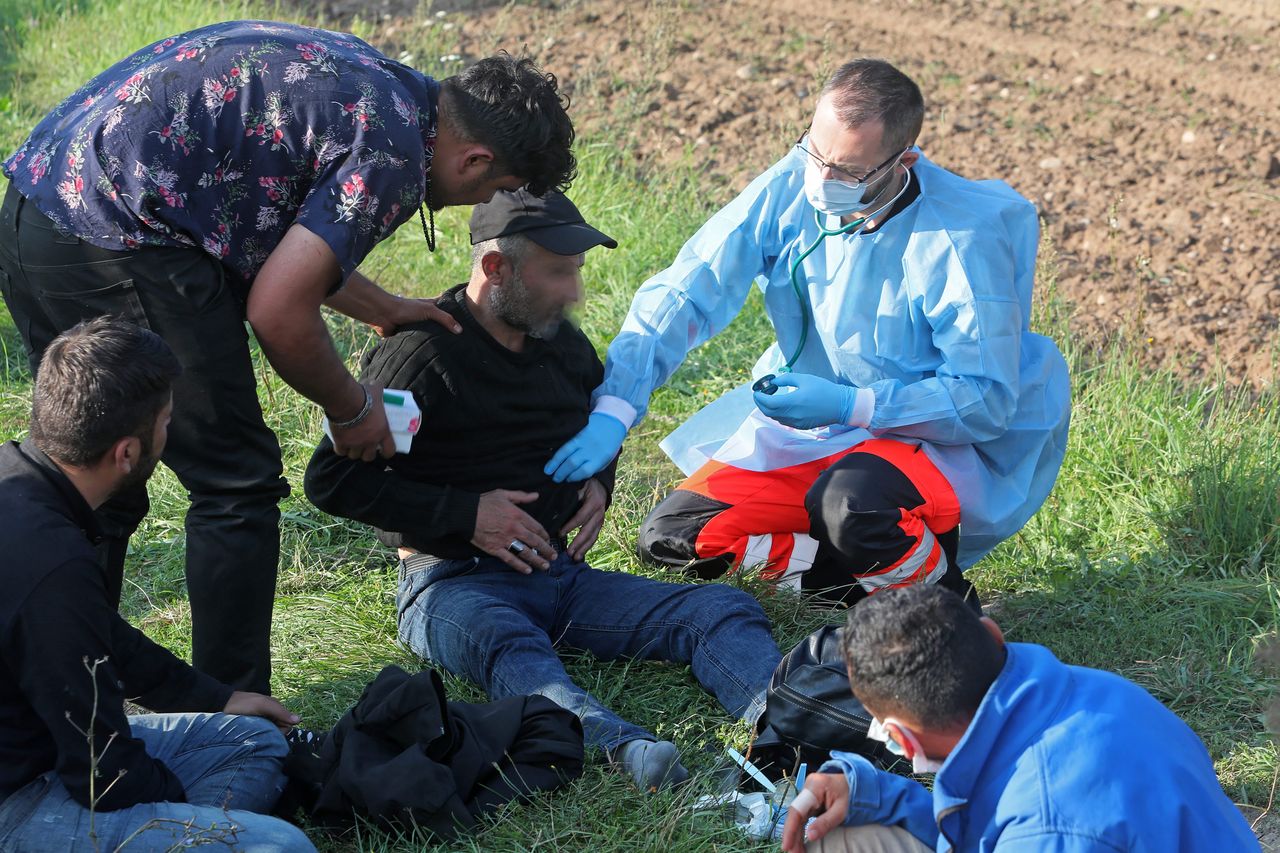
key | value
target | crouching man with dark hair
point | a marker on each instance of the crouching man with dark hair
(1031, 754)
(76, 773)
(489, 586)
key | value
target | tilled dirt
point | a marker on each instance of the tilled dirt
(1148, 135)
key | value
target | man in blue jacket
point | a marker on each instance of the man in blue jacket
(1031, 754)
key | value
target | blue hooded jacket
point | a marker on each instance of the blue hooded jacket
(1059, 758)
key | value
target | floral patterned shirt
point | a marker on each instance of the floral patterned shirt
(225, 136)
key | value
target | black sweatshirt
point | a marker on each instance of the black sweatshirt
(56, 619)
(491, 419)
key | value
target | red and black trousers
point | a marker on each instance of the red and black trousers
(876, 516)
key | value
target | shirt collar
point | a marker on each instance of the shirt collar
(81, 512)
(429, 117)
(909, 194)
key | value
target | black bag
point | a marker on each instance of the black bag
(406, 756)
(810, 709)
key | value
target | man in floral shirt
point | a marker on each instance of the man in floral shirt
(244, 170)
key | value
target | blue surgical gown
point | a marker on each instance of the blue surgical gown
(930, 311)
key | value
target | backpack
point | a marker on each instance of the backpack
(810, 710)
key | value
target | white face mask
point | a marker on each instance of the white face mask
(920, 763)
(830, 196)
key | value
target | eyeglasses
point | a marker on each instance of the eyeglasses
(842, 173)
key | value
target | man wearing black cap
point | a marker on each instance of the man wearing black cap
(470, 502)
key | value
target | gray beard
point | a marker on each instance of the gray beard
(511, 304)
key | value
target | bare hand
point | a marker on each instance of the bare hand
(368, 439)
(258, 705)
(588, 519)
(830, 802)
(500, 521)
(414, 310)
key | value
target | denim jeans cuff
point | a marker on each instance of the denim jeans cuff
(755, 710)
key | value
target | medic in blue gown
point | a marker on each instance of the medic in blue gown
(906, 420)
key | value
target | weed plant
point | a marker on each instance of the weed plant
(1156, 555)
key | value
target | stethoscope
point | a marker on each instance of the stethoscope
(765, 383)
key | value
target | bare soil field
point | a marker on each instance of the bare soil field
(1147, 134)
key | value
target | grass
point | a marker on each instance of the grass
(1156, 555)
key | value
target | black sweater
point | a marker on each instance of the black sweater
(56, 619)
(491, 418)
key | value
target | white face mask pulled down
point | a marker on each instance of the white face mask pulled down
(920, 763)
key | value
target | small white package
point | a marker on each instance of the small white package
(403, 416)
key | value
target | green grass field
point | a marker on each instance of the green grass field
(1156, 556)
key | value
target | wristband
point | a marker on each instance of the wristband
(364, 413)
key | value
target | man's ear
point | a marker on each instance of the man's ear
(910, 158)
(994, 630)
(908, 744)
(491, 265)
(474, 161)
(125, 454)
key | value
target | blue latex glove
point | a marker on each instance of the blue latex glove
(589, 451)
(815, 402)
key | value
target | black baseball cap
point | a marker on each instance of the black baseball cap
(551, 221)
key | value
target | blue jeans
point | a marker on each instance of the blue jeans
(230, 766)
(482, 621)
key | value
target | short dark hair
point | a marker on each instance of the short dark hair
(99, 382)
(511, 106)
(920, 651)
(868, 89)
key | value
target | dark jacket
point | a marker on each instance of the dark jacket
(406, 757)
(57, 619)
(491, 419)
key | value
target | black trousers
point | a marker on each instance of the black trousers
(219, 447)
